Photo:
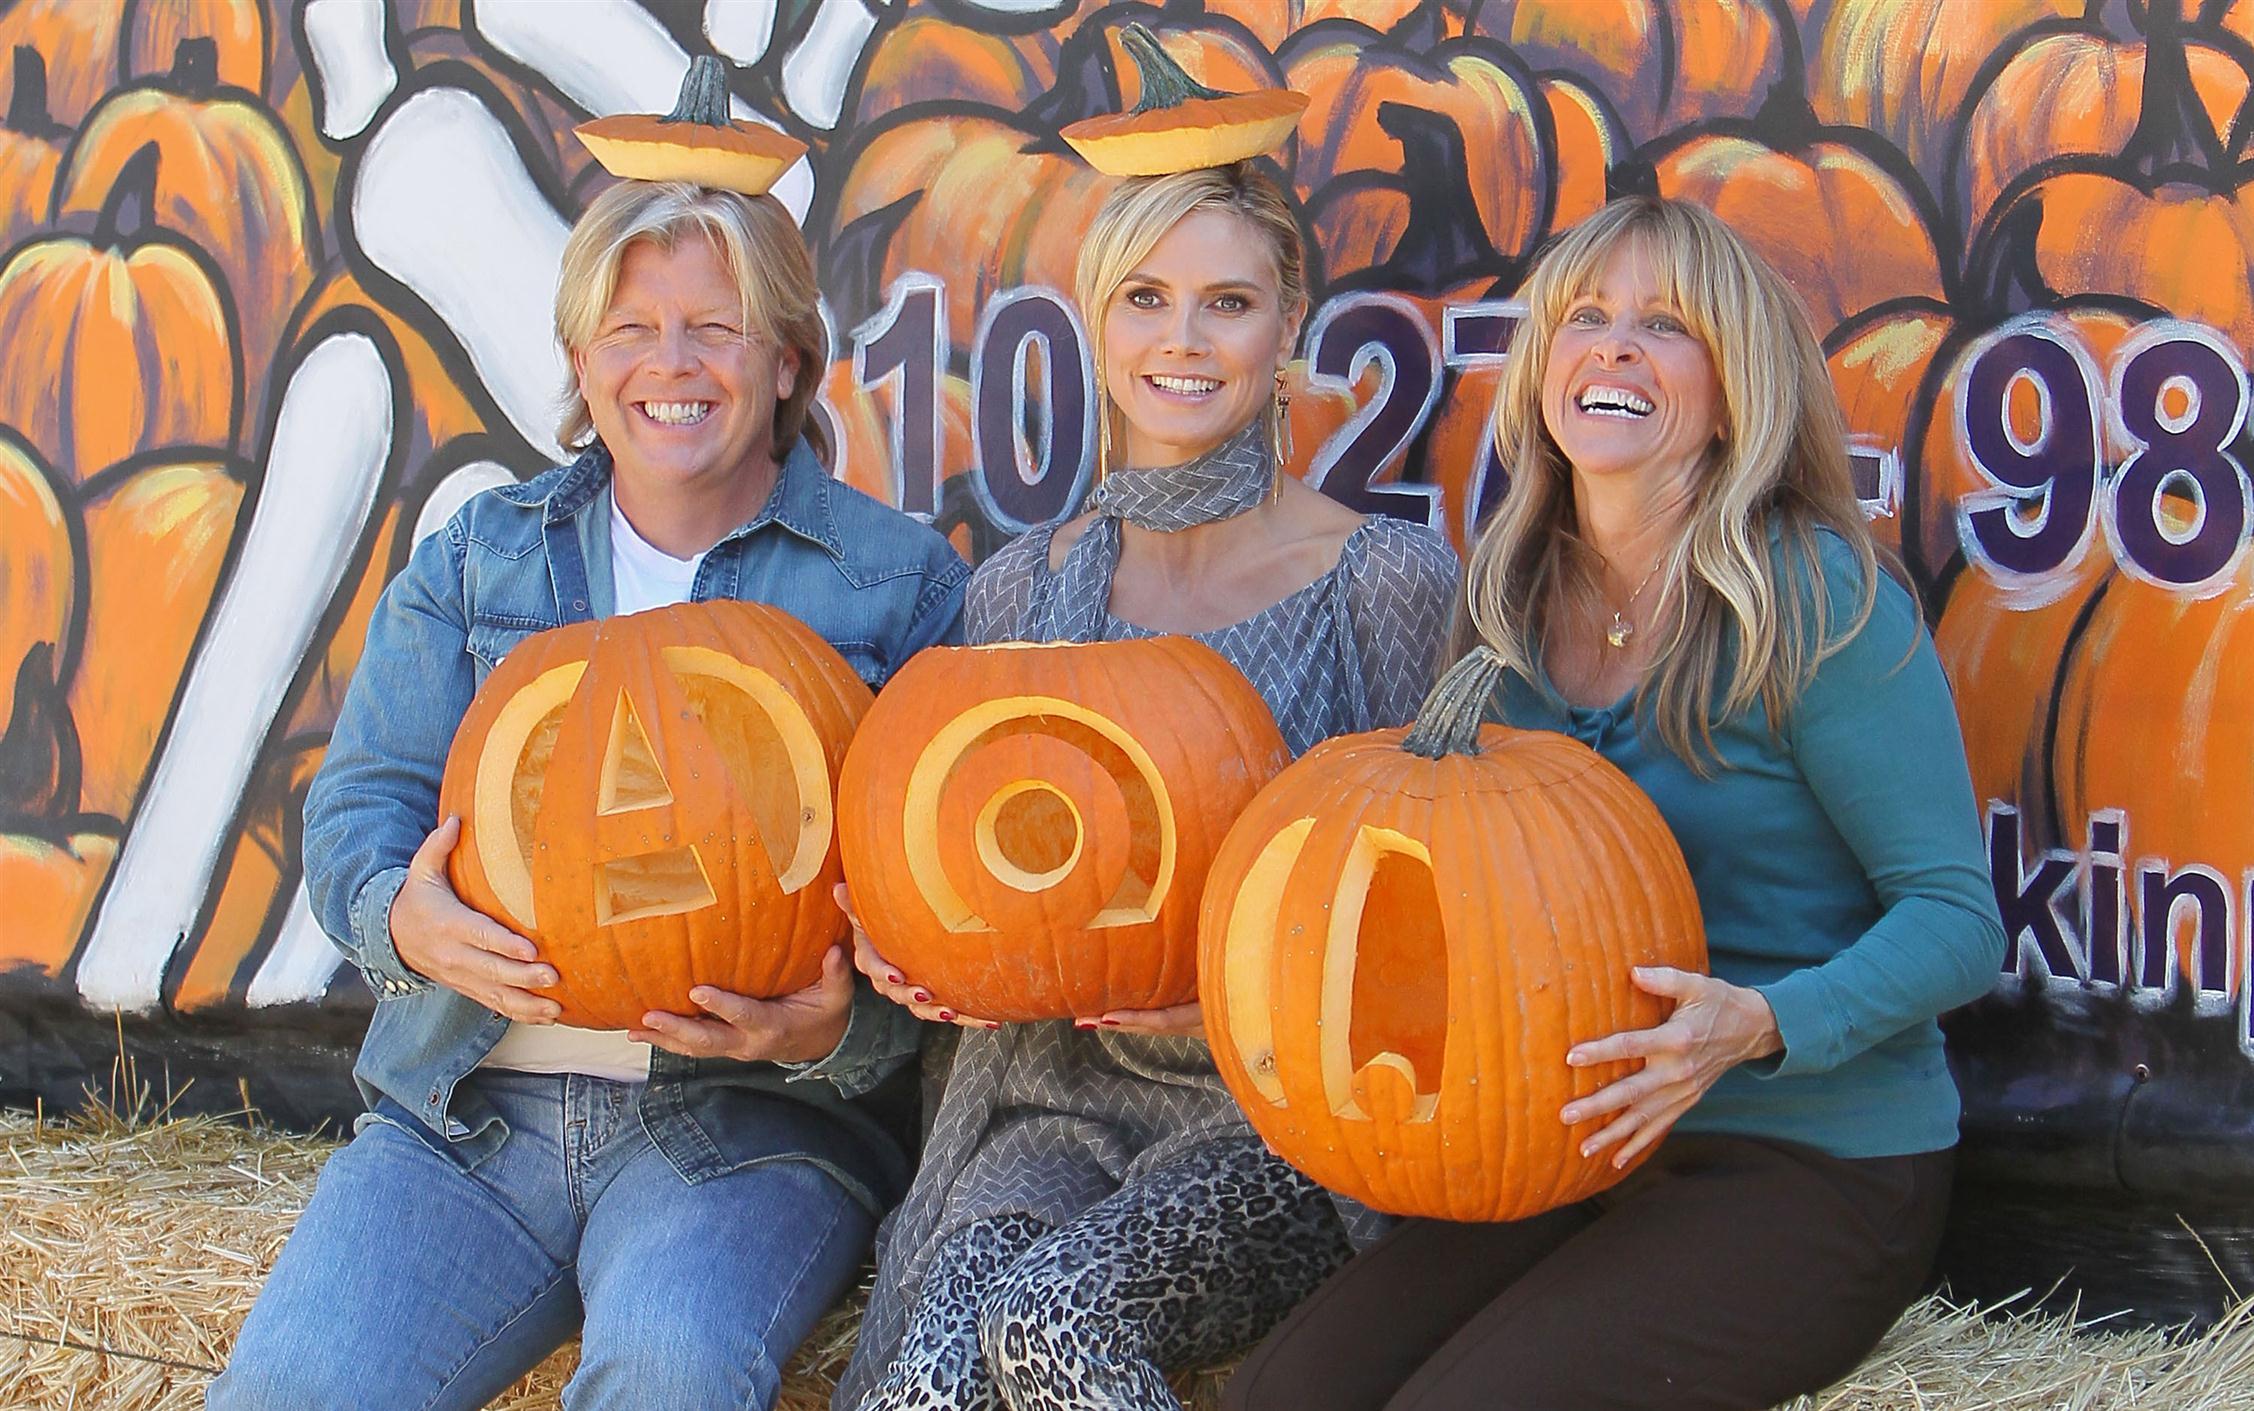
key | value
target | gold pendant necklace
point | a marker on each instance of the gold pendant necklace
(1622, 629)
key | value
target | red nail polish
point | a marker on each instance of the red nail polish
(946, 1016)
(895, 977)
(1109, 1023)
(923, 996)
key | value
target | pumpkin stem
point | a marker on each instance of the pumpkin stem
(1448, 721)
(39, 757)
(1787, 119)
(1166, 84)
(195, 67)
(1443, 240)
(130, 208)
(2173, 129)
(27, 109)
(704, 94)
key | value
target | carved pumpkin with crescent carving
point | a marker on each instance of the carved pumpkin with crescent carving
(1027, 827)
(650, 799)
(1405, 932)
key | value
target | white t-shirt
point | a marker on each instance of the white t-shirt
(642, 576)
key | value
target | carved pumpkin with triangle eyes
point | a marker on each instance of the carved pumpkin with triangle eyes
(649, 798)
(1027, 827)
(1405, 932)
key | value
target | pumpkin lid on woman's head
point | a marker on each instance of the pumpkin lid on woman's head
(696, 142)
(1181, 125)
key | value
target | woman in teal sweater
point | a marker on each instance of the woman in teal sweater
(1681, 578)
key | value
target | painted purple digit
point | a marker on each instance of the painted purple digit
(1472, 336)
(903, 342)
(1351, 334)
(1032, 456)
(2181, 456)
(2054, 476)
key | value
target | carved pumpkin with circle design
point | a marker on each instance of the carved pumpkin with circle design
(649, 799)
(1027, 827)
(1405, 933)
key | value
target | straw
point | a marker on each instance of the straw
(134, 1241)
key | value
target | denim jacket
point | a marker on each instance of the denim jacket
(523, 558)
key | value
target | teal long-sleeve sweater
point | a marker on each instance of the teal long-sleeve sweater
(1839, 865)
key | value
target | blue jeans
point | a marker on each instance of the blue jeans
(414, 1283)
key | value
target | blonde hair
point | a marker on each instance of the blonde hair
(1137, 215)
(763, 251)
(1744, 580)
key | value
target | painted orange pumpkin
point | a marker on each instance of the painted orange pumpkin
(2076, 93)
(1818, 203)
(157, 532)
(649, 799)
(1027, 827)
(930, 58)
(1405, 933)
(1355, 74)
(230, 182)
(120, 343)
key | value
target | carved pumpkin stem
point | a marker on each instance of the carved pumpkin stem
(704, 94)
(39, 756)
(195, 67)
(1448, 721)
(27, 110)
(1166, 84)
(129, 211)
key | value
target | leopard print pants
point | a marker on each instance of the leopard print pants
(1180, 1266)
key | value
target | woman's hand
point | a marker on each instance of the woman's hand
(469, 953)
(1716, 1026)
(795, 1028)
(1181, 1019)
(886, 979)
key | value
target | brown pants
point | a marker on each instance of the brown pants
(1726, 1273)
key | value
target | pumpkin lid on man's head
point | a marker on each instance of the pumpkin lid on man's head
(1180, 124)
(696, 142)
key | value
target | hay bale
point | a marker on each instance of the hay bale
(134, 1244)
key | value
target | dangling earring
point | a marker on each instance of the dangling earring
(1103, 438)
(1279, 436)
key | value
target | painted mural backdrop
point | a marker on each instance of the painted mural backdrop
(275, 302)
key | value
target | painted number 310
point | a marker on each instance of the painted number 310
(2177, 508)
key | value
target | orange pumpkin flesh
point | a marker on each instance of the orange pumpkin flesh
(697, 142)
(1181, 125)
(648, 798)
(1027, 828)
(1405, 932)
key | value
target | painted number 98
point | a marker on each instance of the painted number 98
(2176, 511)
